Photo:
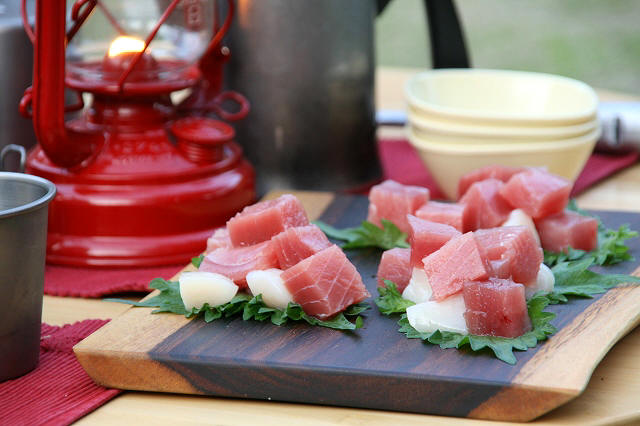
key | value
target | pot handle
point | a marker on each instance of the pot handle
(15, 148)
(447, 39)
(381, 5)
(448, 48)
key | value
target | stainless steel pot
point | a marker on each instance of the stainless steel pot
(307, 67)
(17, 54)
(308, 70)
(23, 233)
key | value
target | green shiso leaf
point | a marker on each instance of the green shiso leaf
(502, 347)
(196, 261)
(611, 247)
(168, 300)
(250, 308)
(390, 300)
(575, 279)
(367, 235)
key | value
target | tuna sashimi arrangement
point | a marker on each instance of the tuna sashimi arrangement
(463, 273)
(473, 264)
(480, 271)
(271, 249)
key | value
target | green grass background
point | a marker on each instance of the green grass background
(596, 41)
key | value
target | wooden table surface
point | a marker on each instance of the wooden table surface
(602, 398)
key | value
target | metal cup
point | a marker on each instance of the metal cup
(23, 236)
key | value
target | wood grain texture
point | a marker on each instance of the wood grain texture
(375, 367)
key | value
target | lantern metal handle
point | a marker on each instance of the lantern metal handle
(242, 103)
(79, 13)
(66, 144)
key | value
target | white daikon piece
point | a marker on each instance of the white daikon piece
(199, 287)
(419, 289)
(518, 217)
(545, 282)
(447, 315)
(269, 283)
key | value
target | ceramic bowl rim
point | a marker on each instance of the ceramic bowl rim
(586, 114)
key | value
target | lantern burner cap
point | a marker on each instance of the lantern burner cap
(201, 139)
(202, 130)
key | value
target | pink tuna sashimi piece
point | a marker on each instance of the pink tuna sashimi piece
(237, 262)
(452, 214)
(294, 244)
(394, 266)
(566, 229)
(425, 237)
(512, 251)
(325, 283)
(496, 307)
(393, 201)
(261, 221)
(220, 238)
(455, 263)
(485, 206)
(502, 173)
(537, 192)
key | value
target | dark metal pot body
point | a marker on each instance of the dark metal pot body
(307, 67)
(17, 54)
(23, 233)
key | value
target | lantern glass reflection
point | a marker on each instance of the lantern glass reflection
(120, 26)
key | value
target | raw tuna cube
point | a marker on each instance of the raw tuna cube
(237, 262)
(294, 244)
(425, 237)
(496, 307)
(537, 192)
(261, 221)
(502, 173)
(394, 266)
(512, 251)
(566, 229)
(452, 214)
(485, 206)
(393, 201)
(325, 283)
(220, 238)
(457, 262)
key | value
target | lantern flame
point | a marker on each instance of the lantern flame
(125, 44)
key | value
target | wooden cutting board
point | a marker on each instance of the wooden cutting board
(374, 367)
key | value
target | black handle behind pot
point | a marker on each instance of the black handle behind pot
(448, 48)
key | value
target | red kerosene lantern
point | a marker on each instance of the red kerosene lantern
(140, 181)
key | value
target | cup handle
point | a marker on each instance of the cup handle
(14, 148)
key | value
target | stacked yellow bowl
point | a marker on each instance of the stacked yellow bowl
(462, 119)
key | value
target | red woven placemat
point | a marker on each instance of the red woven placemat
(401, 162)
(58, 391)
(600, 166)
